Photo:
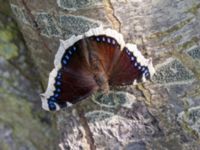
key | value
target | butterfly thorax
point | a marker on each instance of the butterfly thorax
(98, 71)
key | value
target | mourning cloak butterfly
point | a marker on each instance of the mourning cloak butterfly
(90, 62)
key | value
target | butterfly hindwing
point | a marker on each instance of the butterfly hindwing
(128, 69)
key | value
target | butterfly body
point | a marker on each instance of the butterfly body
(92, 62)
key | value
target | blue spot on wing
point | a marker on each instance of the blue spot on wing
(70, 53)
(52, 98)
(64, 61)
(67, 57)
(98, 39)
(52, 105)
(74, 48)
(58, 83)
(58, 77)
(56, 95)
(58, 90)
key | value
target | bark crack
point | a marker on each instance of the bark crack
(111, 15)
(146, 93)
(84, 123)
(35, 24)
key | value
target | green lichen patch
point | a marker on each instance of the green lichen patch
(188, 44)
(7, 48)
(76, 24)
(16, 113)
(194, 53)
(114, 99)
(188, 62)
(171, 29)
(173, 72)
(20, 14)
(76, 4)
(5, 36)
(171, 42)
(194, 9)
(190, 120)
(48, 25)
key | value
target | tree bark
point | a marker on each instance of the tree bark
(162, 114)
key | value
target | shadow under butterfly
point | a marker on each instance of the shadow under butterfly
(90, 62)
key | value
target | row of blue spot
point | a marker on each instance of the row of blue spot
(65, 59)
(143, 69)
(52, 99)
(68, 54)
(105, 39)
(109, 40)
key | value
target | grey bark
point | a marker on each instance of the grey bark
(162, 114)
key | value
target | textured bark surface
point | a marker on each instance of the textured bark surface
(162, 114)
(23, 124)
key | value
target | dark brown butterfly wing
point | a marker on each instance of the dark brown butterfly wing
(121, 67)
(128, 69)
(107, 49)
(74, 81)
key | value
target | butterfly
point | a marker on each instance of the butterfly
(94, 61)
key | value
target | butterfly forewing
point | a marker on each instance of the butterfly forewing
(126, 70)
(74, 80)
